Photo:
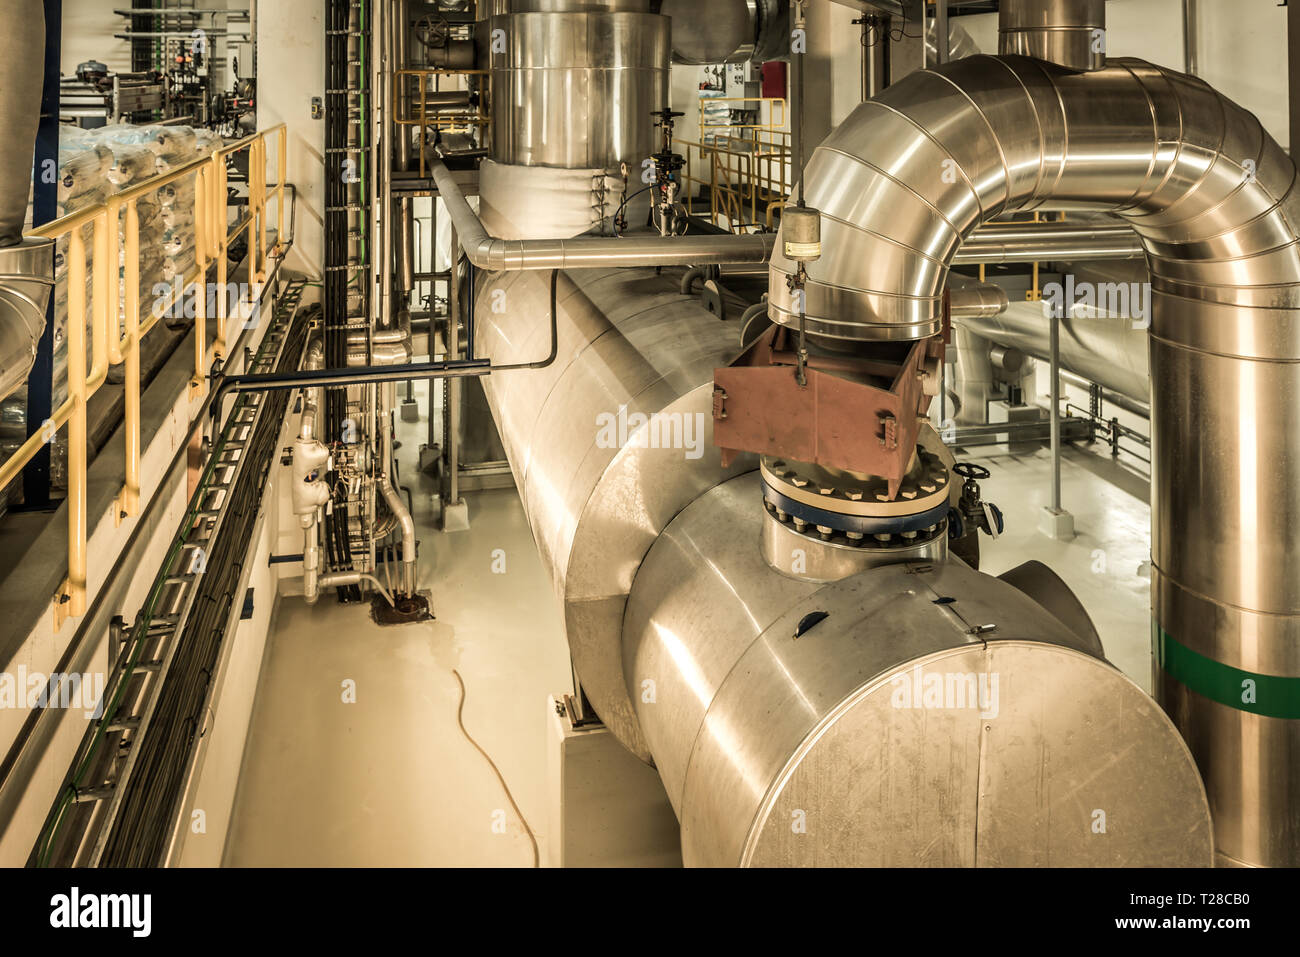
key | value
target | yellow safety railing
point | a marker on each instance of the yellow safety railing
(112, 343)
(747, 178)
(449, 121)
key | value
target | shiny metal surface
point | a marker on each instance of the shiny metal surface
(586, 252)
(1107, 349)
(576, 90)
(1002, 243)
(1225, 584)
(573, 6)
(26, 283)
(1046, 587)
(1214, 201)
(807, 558)
(720, 32)
(783, 749)
(975, 299)
(629, 343)
(656, 525)
(942, 152)
(728, 31)
(970, 382)
(1068, 32)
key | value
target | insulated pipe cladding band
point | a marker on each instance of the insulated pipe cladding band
(1214, 201)
(779, 741)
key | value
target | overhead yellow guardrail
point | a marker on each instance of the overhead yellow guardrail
(111, 344)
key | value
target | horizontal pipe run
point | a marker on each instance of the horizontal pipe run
(1109, 350)
(501, 255)
(997, 433)
(1046, 242)
(1141, 409)
(337, 579)
(363, 375)
(334, 378)
(892, 7)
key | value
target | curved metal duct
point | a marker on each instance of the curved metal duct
(1071, 33)
(26, 265)
(908, 176)
(971, 385)
(728, 31)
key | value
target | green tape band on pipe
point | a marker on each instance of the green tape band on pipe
(1273, 696)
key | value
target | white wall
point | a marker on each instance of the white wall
(88, 28)
(1242, 48)
(291, 70)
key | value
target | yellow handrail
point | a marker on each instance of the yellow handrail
(748, 177)
(110, 345)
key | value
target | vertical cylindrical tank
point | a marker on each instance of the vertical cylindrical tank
(576, 89)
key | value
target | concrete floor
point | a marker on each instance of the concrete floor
(1106, 564)
(390, 780)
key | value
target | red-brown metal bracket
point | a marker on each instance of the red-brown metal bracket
(833, 421)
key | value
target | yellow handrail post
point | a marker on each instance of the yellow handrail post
(129, 501)
(104, 296)
(261, 209)
(282, 173)
(223, 244)
(72, 598)
(200, 292)
(114, 338)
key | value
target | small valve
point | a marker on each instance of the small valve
(972, 512)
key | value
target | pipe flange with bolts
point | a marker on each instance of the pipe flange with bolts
(825, 524)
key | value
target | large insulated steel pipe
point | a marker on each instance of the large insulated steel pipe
(26, 265)
(909, 175)
(1109, 350)
(797, 724)
(916, 714)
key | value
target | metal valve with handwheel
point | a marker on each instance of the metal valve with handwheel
(972, 515)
